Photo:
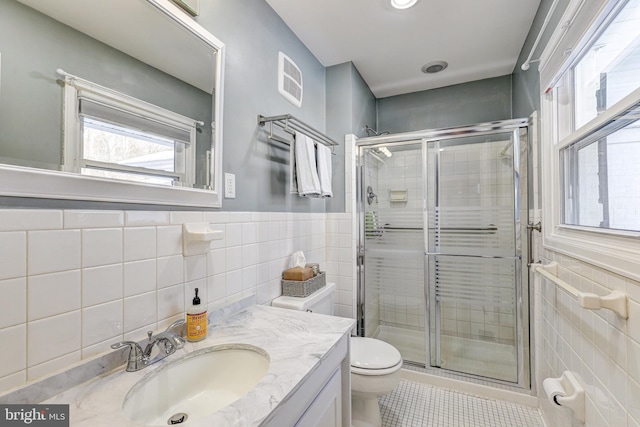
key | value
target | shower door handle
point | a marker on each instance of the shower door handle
(530, 227)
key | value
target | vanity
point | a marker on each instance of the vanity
(307, 382)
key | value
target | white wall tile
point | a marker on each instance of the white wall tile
(216, 287)
(46, 368)
(233, 234)
(13, 380)
(139, 243)
(249, 233)
(102, 322)
(16, 359)
(146, 218)
(30, 219)
(139, 277)
(195, 267)
(234, 258)
(139, 311)
(93, 219)
(51, 251)
(101, 246)
(14, 302)
(217, 261)
(102, 284)
(118, 274)
(180, 217)
(53, 294)
(234, 282)
(169, 240)
(170, 301)
(13, 254)
(170, 271)
(53, 337)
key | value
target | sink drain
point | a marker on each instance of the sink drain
(178, 418)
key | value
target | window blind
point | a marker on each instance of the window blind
(96, 110)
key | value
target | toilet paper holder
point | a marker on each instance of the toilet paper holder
(566, 391)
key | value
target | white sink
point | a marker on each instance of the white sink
(195, 385)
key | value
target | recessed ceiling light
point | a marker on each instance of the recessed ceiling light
(403, 4)
(434, 67)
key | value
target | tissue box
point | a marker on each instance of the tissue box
(297, 273)
(295, 288)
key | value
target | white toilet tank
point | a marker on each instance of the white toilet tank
(321, 301)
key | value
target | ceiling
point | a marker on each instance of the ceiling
(479, 39)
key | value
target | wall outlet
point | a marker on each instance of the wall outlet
(229, 186)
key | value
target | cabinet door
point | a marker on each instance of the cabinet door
(326, 409)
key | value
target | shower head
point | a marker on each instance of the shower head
(373, 132)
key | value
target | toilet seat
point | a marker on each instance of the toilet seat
(370, 356)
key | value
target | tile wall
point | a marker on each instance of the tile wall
(600, 347)
(74, 282)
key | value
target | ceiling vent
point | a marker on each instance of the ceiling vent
(289, 80)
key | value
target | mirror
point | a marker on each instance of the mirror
(145, 51)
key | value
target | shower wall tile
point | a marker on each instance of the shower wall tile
(78, 281)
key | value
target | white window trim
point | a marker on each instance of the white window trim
(614, 250)
(77, 88)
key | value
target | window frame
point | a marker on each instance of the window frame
(24, 182)
(615, 250)
(77, 89)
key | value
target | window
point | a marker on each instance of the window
(112, 135)
(591, 120)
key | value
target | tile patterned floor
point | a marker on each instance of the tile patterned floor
(420, 405)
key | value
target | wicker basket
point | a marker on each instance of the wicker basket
(302, 289)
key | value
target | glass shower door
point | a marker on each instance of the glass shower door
(473, 257)
(392, 248)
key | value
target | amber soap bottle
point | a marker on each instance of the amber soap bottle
(196, 320)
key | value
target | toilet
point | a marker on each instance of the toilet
(375, 364)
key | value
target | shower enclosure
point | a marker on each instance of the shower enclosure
(442, 238)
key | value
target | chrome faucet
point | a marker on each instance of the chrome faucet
(167, 341)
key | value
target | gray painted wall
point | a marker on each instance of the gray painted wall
(526, 84)
(467, 103)
(254, 34)
(33, 46)
(350, 107)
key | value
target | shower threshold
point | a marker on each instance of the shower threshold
(495, 357)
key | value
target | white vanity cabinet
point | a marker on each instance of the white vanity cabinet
(323, 399)
(326, 409)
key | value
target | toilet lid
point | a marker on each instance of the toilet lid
(370, 353)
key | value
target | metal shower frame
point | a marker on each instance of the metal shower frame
(525, 355)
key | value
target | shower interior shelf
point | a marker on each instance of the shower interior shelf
(291, 125)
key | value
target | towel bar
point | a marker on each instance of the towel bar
(616, 301)
(291, 125)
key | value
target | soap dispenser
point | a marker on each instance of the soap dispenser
(196, 321)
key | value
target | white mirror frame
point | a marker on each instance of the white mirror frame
(18, 181)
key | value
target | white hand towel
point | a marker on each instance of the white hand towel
(293, 175)
(306, 169)
(324, 170)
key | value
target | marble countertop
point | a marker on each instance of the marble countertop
(296, 342)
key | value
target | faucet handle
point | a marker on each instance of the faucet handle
(175, 324)
(137, 360)
(134, 346)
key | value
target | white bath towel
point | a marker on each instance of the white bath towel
(324, 170)
(305, 166)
